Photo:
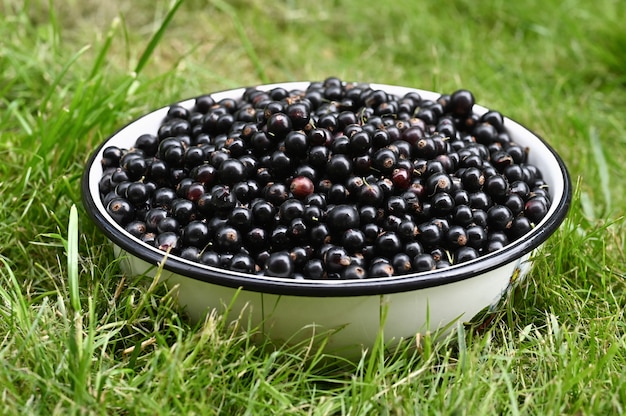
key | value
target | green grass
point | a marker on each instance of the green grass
(78, 337)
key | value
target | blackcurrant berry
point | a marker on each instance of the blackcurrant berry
(296, 144)
(336, 259)
(228, 239)
(439, 182)
(430, 234)
(279, 264)
(535, 209)
(136, 228)
(499, 217)
(168, 224)
(290, 209)
(256, 239)
(388, 243)
(195, 234)
(461, 103)
(242, 263)
(353, 240)
(476, 236)
(463, 254)
(280, 237)
(314, 269)
(496, 186)
(121, 210)
(371, 194)
(241, 218)
(456, 236)
(381, 269)
(167, 241)
(232, 171)
(520, 226)
(354, 271)
(137, 193)
(402, 263)
(384, 160)
(299, 114)
(339, 167)
(423, 263)
(342, 217)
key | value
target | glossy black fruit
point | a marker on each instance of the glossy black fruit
(279, 264)
(381, 269)
(342, 217)
(461, 103)
(535, 210)
(167, 241)
(241, 262)
(463, 254)
(195, 234)
(499, 217)
(335, 181)
(423, 262)
(121, 210)
(228, 239)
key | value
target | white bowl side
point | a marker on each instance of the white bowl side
(354, 321)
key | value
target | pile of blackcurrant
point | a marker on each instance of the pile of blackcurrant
(337, 181)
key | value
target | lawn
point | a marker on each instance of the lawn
(79, 337)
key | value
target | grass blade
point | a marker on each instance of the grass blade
(72, 258)
(103, 53)
(243, 37)
(603, 167)
(156, 38)
(55, 83)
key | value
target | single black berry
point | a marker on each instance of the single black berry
(463, 254)
(476, 236)
(342, 217)
(279, 264)
(167, 241)
(535, 209)
(121, 210)
(228, 239)
(314, 269)
(232, 171)
(381, 269)
(336, 259)
(353, 240)
(520, 226)
(402, 263)
(241, 262)
(423, 262)
(430, 234)
(195, 234)
(388, 243)
(136, 228)
(496, 186)
(290, 209)
(354, 271)
(499, 217)
(461, 103)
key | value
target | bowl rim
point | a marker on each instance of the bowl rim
(325, 288)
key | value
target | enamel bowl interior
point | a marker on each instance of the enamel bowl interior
(353, 311)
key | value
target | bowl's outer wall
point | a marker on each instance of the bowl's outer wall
(282, 307)
(355, 320)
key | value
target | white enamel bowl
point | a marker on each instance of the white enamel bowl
(286, 309)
